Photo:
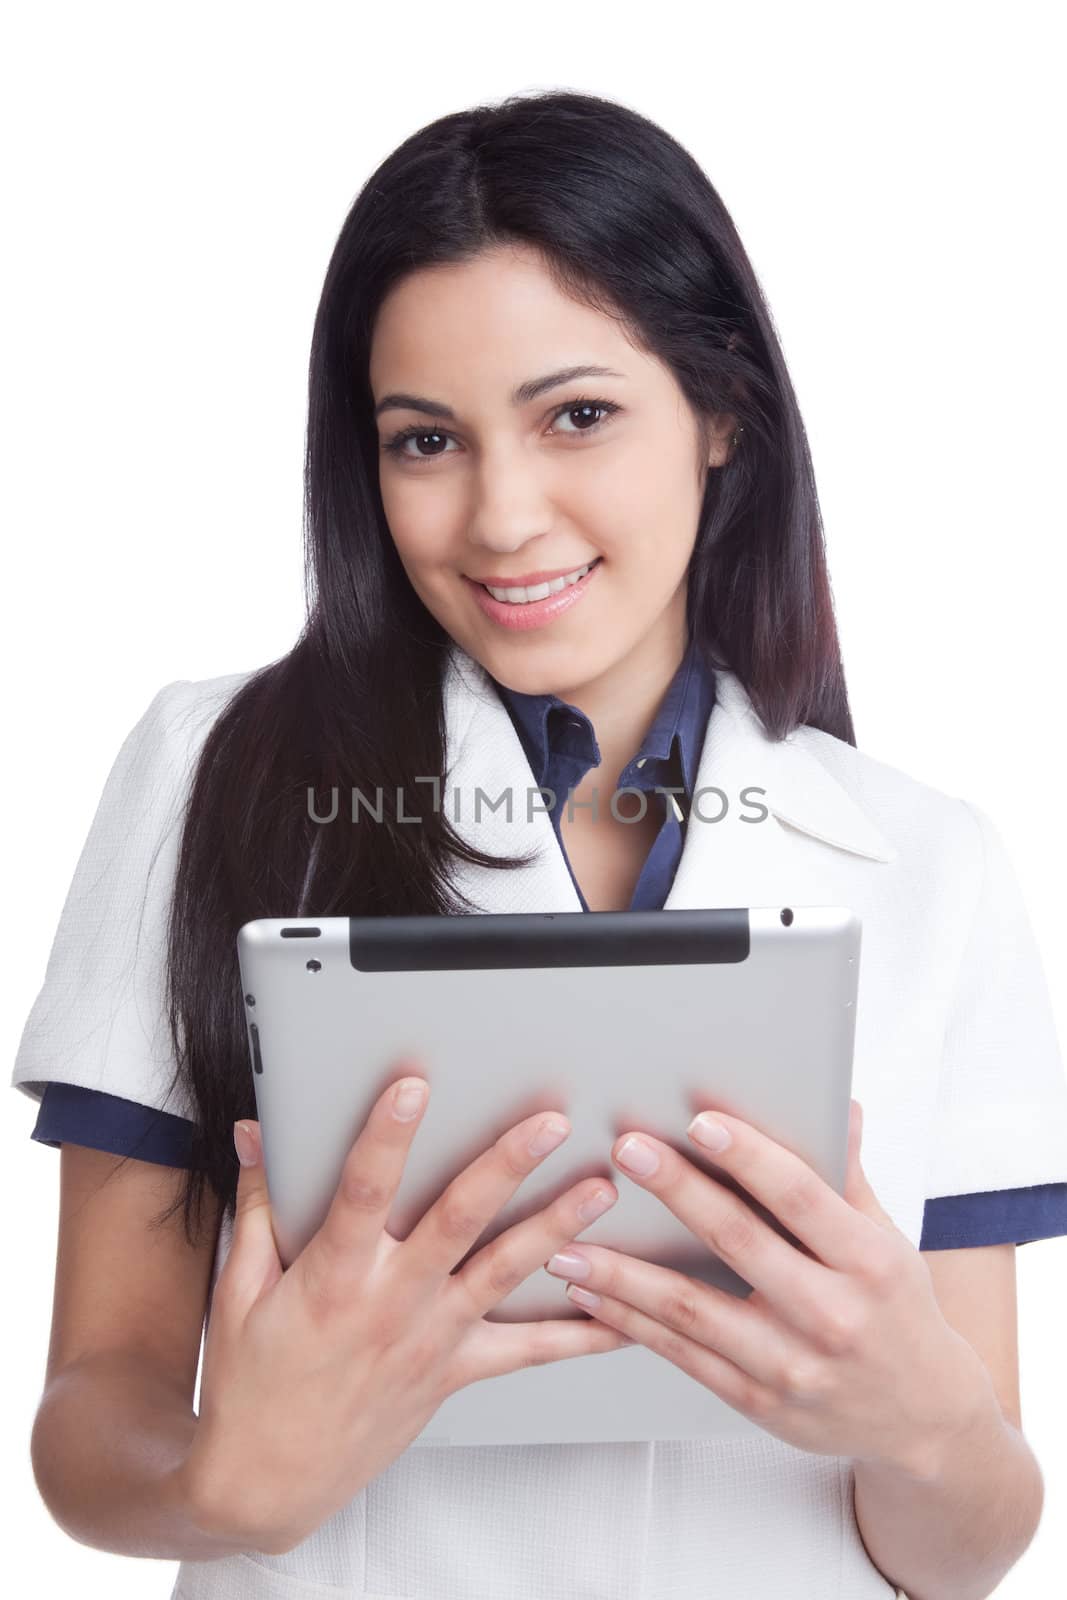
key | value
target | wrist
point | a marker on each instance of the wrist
(226, 1524)
(975, 1426)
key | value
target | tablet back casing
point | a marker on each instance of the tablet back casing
(620, 1020)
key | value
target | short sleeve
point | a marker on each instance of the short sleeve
(69, 1114)
(99, 1019)
(999, 1216)
(1002, 1092)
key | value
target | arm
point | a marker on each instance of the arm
(953, 1531)
(116, 1418)
(109, 1448)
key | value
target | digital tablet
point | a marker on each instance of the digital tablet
(620, 1020)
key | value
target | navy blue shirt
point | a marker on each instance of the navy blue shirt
(561, 747)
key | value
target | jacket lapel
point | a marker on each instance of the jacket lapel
(737, 862)
(726, 860)
(485, 761)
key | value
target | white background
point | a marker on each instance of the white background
(175, 180)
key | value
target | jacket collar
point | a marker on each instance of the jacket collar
(801, 791)
(741, 858)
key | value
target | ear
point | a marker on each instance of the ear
(720, 435)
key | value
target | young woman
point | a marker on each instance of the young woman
(563, 533)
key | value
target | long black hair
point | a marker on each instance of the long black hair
(627, 222)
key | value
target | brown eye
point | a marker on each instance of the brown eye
(582, 409)
(582, 417)
(397, 445)
(582, 413)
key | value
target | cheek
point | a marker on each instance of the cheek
(642, 511)
(609, 494)
(625, 487)
(422, 528)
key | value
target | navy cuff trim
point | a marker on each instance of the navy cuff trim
(71, 1114)
(995, 1216)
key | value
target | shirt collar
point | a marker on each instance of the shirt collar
(683, 714)
(798, 771)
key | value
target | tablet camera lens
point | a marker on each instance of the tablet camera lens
(250, 999)
(787, 916)
(314, 966)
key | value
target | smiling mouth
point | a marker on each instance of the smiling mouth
(539, 591)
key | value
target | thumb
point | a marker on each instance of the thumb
(858, 1191)
(253, 1265)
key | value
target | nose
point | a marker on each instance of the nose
(510, 506)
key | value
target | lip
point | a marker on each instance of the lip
(521, 618)
(530, 580)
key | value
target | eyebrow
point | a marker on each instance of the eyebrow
(519, 397)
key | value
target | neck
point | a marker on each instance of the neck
(622, 703)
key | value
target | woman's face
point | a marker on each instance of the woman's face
(603, 468)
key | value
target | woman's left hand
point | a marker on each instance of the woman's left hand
(844, 1352)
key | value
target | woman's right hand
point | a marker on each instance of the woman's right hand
(316, 1378)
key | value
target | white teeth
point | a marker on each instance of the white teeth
(540, 591)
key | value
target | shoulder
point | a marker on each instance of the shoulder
(180, 715)
(188, 705)
(926, 828)
(150, 775)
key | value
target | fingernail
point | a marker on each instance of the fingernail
(637, 1156)
(582, 1296)
(711, 1134)
(569, 1264)
(244, 1141)
(547, 1137)
(408, 1098)
(596, 1206)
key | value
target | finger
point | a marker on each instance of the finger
(716, 1372)
(858, 1191)
(836, 1233)
(252, 1265)
(460, 1215)
(744, 1330)
(796, 1285)
(495, 1348)
(508, 1260)
(348, 1238)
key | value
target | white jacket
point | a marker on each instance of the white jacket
(956, 1065)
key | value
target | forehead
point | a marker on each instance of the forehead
(487, 321)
